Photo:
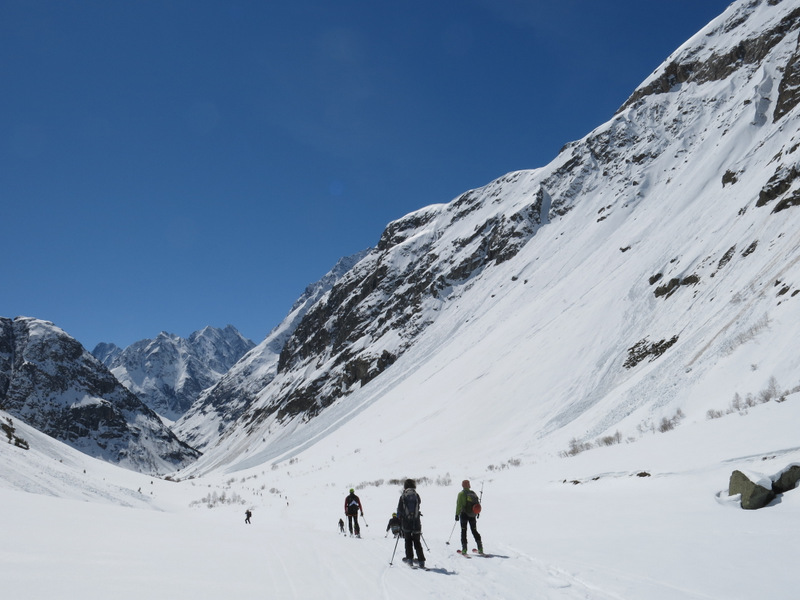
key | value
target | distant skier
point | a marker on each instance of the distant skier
(394, 525)
(411, 524)
(247, 515)
(466, 513)
(341, 526)
(352, 506)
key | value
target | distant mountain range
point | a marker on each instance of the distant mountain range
(169, 372)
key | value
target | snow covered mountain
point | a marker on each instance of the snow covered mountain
(236, 391)
(654, 256)
(51, 382)
(600, 342)
(169, 372)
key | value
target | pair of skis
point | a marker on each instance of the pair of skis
(475, 552)
(414, 565)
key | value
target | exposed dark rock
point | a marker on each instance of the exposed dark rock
(750, 249)
(729, 177)
(789, 88)
(726, 257)
(717, 67)
(786, 480)
(673, 284)
(643, 349)
(7, 426)
(780, 183)
(754, 496)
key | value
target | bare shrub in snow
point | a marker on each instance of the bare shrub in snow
(610, 440)
(214, 499)
(771, 392)
(576, 447)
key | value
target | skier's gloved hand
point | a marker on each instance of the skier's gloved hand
(456, 517)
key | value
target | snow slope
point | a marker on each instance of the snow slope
(651, 268)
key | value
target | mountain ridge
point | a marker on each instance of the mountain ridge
(661, 207)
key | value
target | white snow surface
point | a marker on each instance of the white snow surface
(559, 528)
(525, 363)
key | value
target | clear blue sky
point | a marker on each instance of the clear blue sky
(167, 165)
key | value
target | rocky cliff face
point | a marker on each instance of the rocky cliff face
(48, 380)
(226, 401)
(169, 372)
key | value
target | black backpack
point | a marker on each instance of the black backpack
(472, 506)
(352, 505)
(410, 509)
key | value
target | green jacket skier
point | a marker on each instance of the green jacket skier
(465, 503)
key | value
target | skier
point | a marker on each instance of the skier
(465, 512)
(352, 506)
(394, 525)
(247, 515)
(341, 526)
(411, 525)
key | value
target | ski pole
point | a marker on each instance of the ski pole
(395, 550)
(365, 521)
(422, 537)
(451, 533)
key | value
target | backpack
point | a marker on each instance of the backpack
(472, 506)
(410, 509)
(352, 506)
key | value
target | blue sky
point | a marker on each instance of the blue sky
(167, 165)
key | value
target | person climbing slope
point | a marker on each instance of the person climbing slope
(352, 506)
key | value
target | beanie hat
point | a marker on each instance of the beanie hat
(465, 484)
(410, 483)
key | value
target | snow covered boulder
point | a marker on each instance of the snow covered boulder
(787, 479)
(755, 494)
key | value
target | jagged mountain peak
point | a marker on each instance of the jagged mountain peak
(169, 372)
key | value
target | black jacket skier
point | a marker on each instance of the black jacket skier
(352, 506)
(411, 524)
(394, 524)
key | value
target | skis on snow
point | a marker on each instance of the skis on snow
(475, 552)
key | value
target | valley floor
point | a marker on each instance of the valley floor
(564, 528)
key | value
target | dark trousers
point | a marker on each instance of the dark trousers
(413, 543)
(472, 520)
(352, 524)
